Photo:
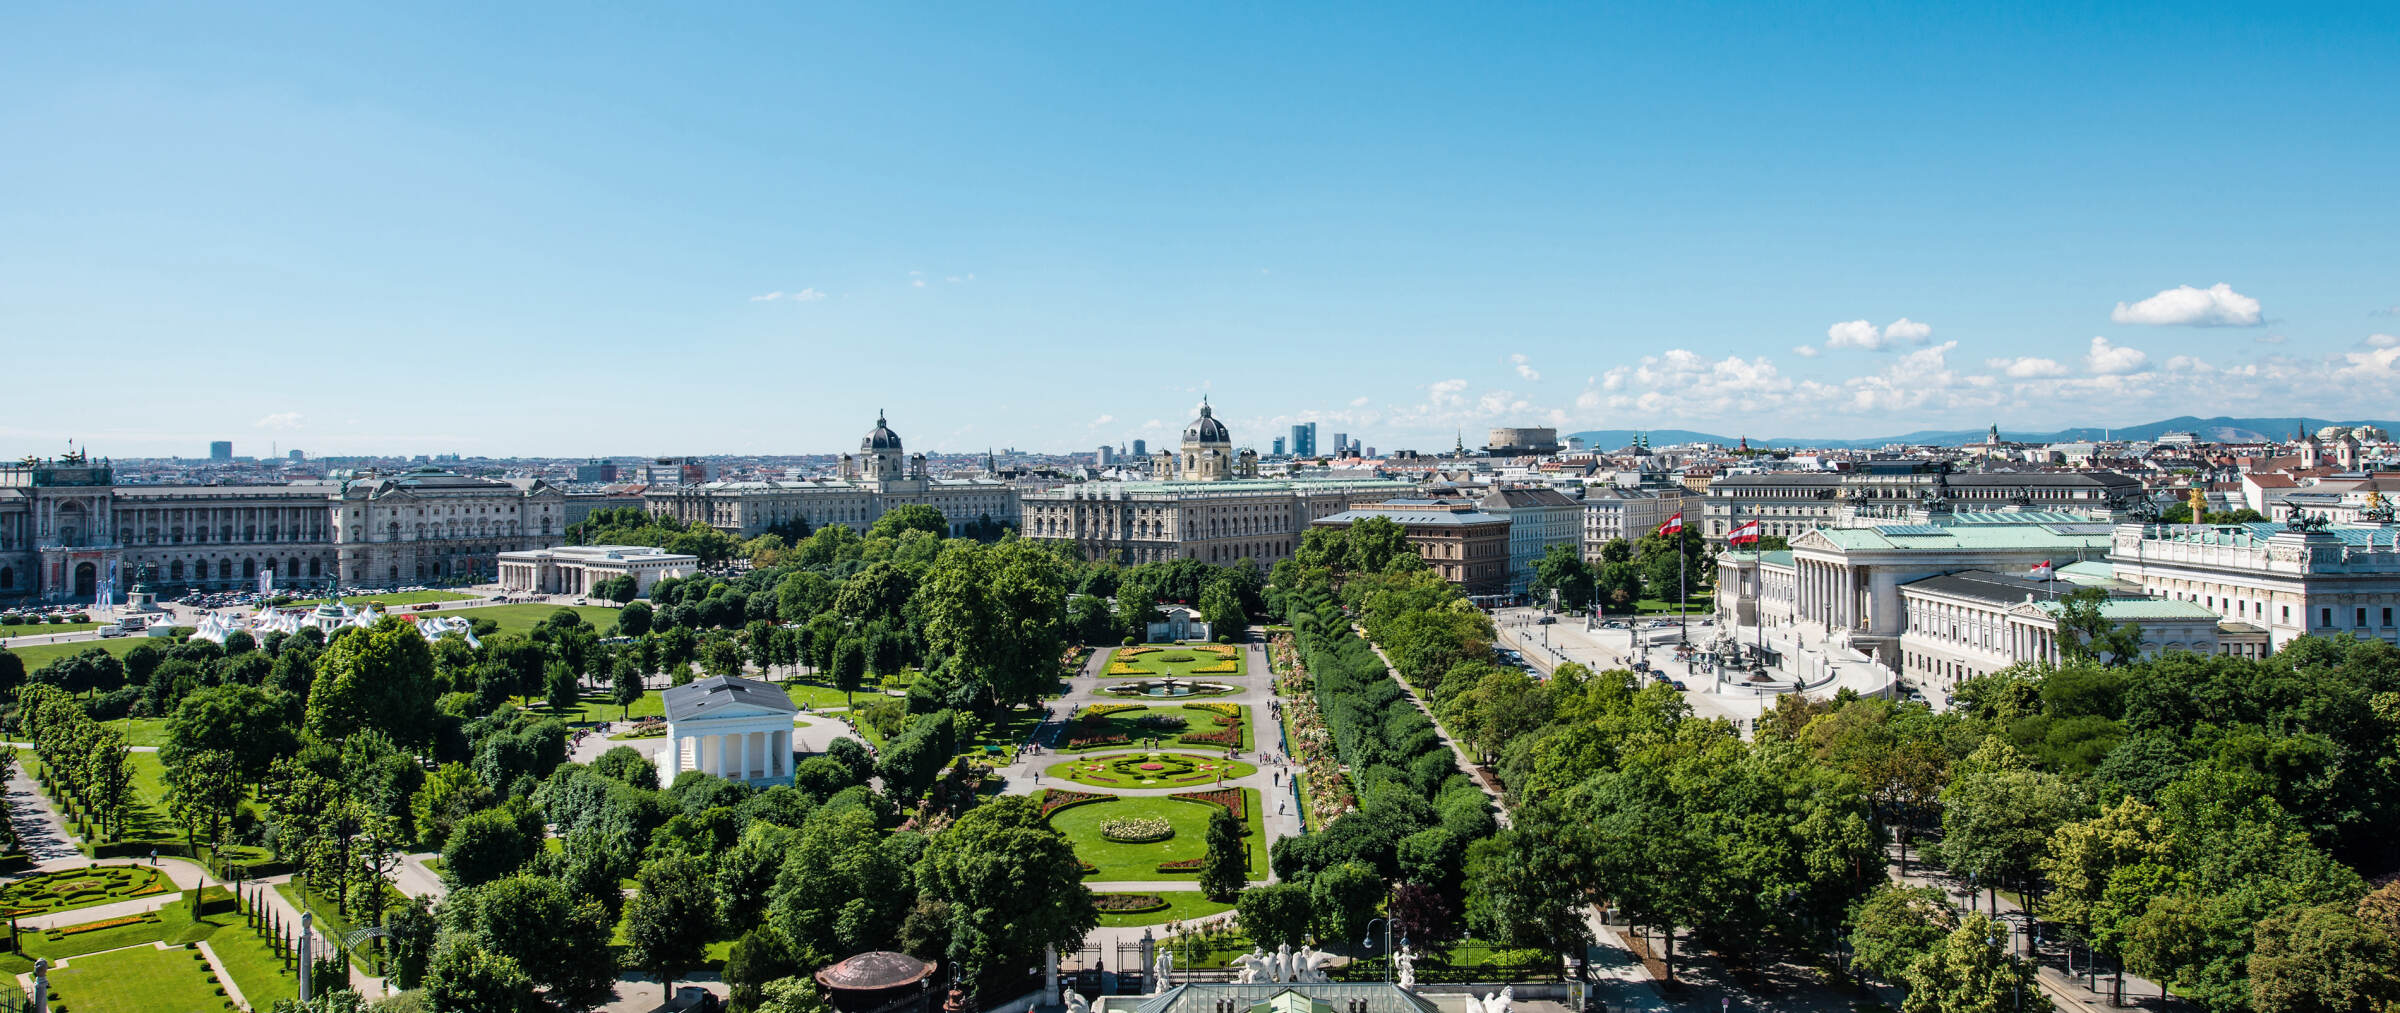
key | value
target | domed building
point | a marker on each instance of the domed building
(882, 475)
(1207, 454)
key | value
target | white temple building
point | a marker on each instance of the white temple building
(729, 726)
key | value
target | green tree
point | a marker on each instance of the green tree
(1969, 971)
(1226, 869)
(2095, 867)
(448, 795)
(670, 919)
(379, 678)
(624, 686)
(2323, 959)
(1013, 884)
(791, 995)
(1895, 926)
(909, 517)
(1344, 898)
(485, 846)
(464, 978)
(1998, 816)
(849, 667)
(1562, 569)
(565, 691)
(634, 619)
(1276, 914)
(204, 791)
(559, 942)
(247, 723)
(2085, 634)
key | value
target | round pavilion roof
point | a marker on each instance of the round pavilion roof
(875, 970)
(881, 437)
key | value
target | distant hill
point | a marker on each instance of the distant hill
(2221, 429)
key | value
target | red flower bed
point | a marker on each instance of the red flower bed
(1228, 732)
(1055, 799)
(1232, 799)
(1183, 865)
(1101, 739)
(1128, 903)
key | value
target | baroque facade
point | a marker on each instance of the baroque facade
(66, 527)
(1206, 504)
(1790, 503)
(881, 476)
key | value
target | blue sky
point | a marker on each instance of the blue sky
(552, 228)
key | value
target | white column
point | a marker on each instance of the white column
(783, 753)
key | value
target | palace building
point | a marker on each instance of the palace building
(881, 476)
(1205, 502)
(66, 527)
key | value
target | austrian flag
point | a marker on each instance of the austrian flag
(2040, 571)
(1745, 533)
(1673, 526)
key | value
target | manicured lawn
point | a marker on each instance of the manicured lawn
(171, 924)
(520, 619)
(142, 731)
(76, 888)
(1179, 770)
(1182, 905)
(1702, 603)
(31, 630)
(596, 705)
(1081, 824)
(254, 967)
(42, 654)
(396, 598)
(1124, 725)
(1159, 660)
(137, 980)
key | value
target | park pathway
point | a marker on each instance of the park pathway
(2068, 991)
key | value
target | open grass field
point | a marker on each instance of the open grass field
(1119, 729)
(520, 619)
(1182, 905)
(1151, 770)
(31, 630)
(1702, 603)
(1081, 825)
(396, 598)
(141, 731)
(141, 979)
(37, 655)
(1183, 662)
(255, 968)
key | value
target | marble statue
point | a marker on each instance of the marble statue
(1474, 1005)
(1406, 963)
(1283, 962)
(1257, 967)
(1163, 970)
(1499, 1001)
(1074, 1001)
(1308, 966)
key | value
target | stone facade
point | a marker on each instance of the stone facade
(882, 476)
(1787, 504)
(574, 569)
(1468, 547)
(2341, 579)
(1610, 513)
(1537, 519)
(64, 525)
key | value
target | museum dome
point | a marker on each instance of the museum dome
(881, 437)
(1206, 428)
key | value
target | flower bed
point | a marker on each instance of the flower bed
(70, 888)
(1184, 865)
(1218, 668)
(107, 923)
(1161, 722)
(1220, 650)
(1092, 741)
(1101, 710)
(1177, 659)
(1142, 830)
(1228, 731)
(1131, 652)
(1086, 868)
(1055, 799)
(1233, 799)
(1128, 903)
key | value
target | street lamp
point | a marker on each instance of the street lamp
(1369, 943)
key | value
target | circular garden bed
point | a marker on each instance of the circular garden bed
(74, 888)
(1138, 830)
(1151, 770)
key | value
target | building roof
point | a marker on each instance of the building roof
(1772, 557)
(875, 970)
(1513, 499)
(1969, 537)
(1206, 428)
(2139, 609)
(1991, 586)
(879, 438)
(1431, 517)
(712, 696)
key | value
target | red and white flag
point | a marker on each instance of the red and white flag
(1745, 533)
(1673, 526)
(2040, 571)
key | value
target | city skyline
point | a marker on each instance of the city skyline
(1058, 227)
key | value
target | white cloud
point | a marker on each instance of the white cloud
(1104, 420)
(916, 283)
(1905, 329)
(1854, 334)
(2110, 359)
(1523, 369)
(2215, 306)
(804, 295)
(2388, 311)
(2382, 341)
(279, 420)
(1445, 392)
(1805, 351)
(1861, 334)
(769, 297)
(2269, 339)
(2027, 367)
(1358, 402)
